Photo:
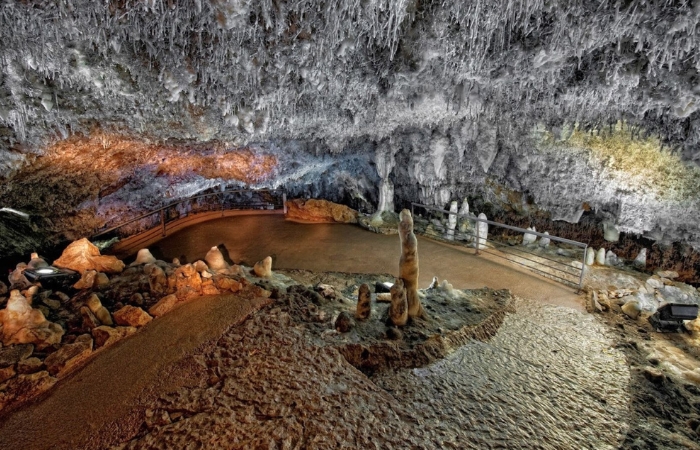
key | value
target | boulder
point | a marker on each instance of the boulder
(263, 269)
(132, 316)
(600, 257)
(144, 256)
(215, 260)
(105, 336)
(69, 356)
(23, 325)
(164, 305)
(320, 211)
(83, 255)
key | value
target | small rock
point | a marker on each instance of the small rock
(3, 288)
(52, 304)
(263, 269)
(654, 375)
(105, 336)
(87, 280)
(545, 241)
(101, 281)
(655, 283)
(30, 365)
(641, 260)
(384, 297)
(136, 299)
(64, 298)
(394, 334)
(632, 309)
(13, 354)
(6, 373)
(384, 287)
(132, 316)
(326, 290)
(200, 266)
(343, 323)
(30, 293)
(224, 283)
(668, 274)
(611, 259)
(69, 356)
(434, 284)
(98, 310)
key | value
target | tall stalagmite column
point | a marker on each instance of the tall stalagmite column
(408, 264)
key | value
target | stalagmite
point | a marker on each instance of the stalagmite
(483, 228)
(398, 311)
(215, 260)
(452, 222)
(408, 264)
(364, 303)
(600, 257)
(590, 256)
(144, 256)
(263, 268)
(545, 241)
(611, 259)
(641, 260)
(529, 238)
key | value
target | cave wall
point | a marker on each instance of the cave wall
(528, 107)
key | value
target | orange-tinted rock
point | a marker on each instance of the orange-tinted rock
(164, 305)
(320, 211)
(215, 260)
(208, 288)
(98, 310)
(87, 280)
(101, 281)
(89, 319)
(69, 356)
(82, 255)
(30, 365)
(157, 280)
(224, 283)
(23, 325)
(132, 316)
(263, 268)
(6, 373)
(105, 336)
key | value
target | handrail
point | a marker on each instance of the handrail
(193, 197)
(478, 242)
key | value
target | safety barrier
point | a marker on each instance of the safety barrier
(225, 200)
(557, 267)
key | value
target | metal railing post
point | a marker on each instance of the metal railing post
(162, 221)
(583, 267)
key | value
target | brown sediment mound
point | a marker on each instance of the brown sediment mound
(320, 211)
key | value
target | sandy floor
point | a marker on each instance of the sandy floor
(349, 248)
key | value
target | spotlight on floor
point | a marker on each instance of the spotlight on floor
(670, 316)
(50, 276)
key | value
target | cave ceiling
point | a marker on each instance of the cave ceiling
(457, 93)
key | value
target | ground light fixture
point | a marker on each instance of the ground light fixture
(52, 276)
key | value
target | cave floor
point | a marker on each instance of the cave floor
(552, 377)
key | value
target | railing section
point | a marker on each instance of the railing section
(554, 265)
(226, 200)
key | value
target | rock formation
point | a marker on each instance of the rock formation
(20, 324)
(545, 241)
(529, 238)
(641, 260)
(600, 257)
(611, 258)
(320, 211)
(157, 280)
(483, 228)
(215, 260)
(82, 255)
(590, 256)
(263, 268)
(364, 303)
(408, 264)
(144, 256)
(398, 310)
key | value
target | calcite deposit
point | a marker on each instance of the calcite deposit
(82, 255)
(22, 324)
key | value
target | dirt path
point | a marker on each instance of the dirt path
(110, 386)
(349, 248)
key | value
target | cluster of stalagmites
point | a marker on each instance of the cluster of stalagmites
(405, 302)
(46, 333)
